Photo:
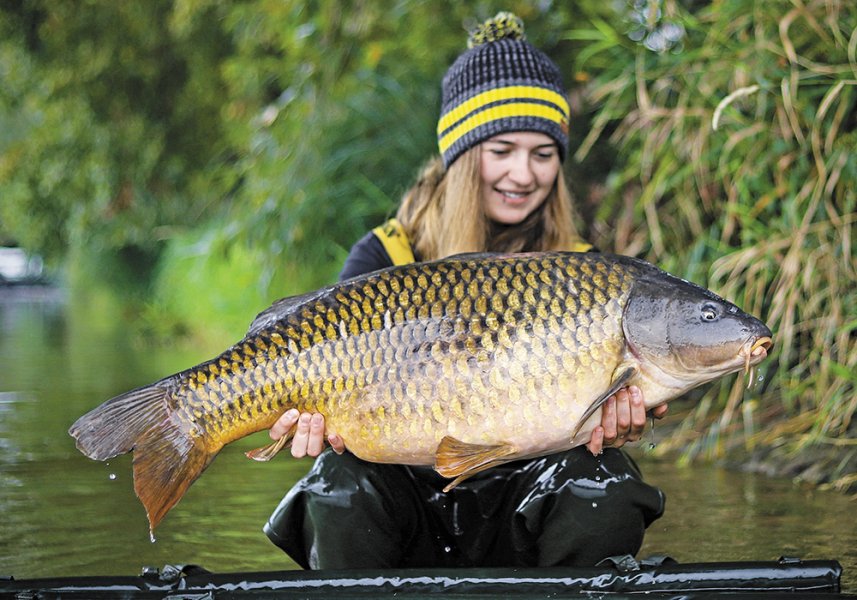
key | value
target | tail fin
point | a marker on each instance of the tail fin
(167, 458)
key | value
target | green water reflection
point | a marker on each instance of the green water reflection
(62, 514)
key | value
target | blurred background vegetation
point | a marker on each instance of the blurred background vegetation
(200, 158)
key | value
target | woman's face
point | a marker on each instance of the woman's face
(518, 171)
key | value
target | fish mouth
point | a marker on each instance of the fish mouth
(755, 352)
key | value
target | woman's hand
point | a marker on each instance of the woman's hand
(623, 419)
(309, 433)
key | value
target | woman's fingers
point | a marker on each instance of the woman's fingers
(623, 418)
(301, 438)
(336, 443)
(637, 417)
(596, 442)
(608, 420)
(309, 433)
(284, 424)
(315, 442)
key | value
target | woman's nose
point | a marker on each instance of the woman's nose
(520, 171)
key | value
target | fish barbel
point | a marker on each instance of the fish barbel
(462, 363)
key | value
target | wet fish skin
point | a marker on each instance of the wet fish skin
(463, 363)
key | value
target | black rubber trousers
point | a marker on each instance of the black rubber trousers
(570, 508)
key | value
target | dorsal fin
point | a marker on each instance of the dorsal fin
(281, 309)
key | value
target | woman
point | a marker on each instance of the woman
(496, 186)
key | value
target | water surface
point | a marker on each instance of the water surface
(62, 514)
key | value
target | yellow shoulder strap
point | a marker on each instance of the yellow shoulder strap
(395, 242)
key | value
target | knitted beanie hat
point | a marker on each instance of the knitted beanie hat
(500, 84)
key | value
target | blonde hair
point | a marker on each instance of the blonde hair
(442, 214)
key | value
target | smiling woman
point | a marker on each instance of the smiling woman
(517, 170)
(496, 186)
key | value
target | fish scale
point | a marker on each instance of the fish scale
(462, 363)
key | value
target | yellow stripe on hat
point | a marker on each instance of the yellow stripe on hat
(512, 92)
(501, 111)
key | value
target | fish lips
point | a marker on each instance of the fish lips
(756, 349)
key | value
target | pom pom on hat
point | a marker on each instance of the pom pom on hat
(500, 84)
(504, 25)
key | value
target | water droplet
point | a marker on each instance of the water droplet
(447, 549)
(652, 444)
(112, 476)
(598, 478)
(594, 505)
(755, 381)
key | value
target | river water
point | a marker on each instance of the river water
(62, 514)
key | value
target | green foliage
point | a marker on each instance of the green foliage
(111, 120)
(227, 294)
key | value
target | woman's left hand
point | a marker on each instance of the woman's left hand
(309, 433)
(623, 419)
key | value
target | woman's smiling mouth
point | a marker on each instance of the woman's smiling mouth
(512, 196)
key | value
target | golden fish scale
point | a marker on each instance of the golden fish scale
(507, 349)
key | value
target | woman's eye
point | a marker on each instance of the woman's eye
(544, 152)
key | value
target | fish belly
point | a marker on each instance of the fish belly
(530, 400)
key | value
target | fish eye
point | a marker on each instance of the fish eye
(710, 312)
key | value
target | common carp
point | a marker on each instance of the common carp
(463, 363)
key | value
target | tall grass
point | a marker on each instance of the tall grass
(740, 157)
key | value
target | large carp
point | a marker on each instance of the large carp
(463, 363)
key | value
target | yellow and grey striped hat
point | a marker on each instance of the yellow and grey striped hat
(500, 84)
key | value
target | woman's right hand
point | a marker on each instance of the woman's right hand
(623, 419)
(309, 433)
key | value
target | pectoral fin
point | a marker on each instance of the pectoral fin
(461, 460)
(624, 374)
(266, 453)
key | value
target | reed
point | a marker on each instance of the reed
(739, 157)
